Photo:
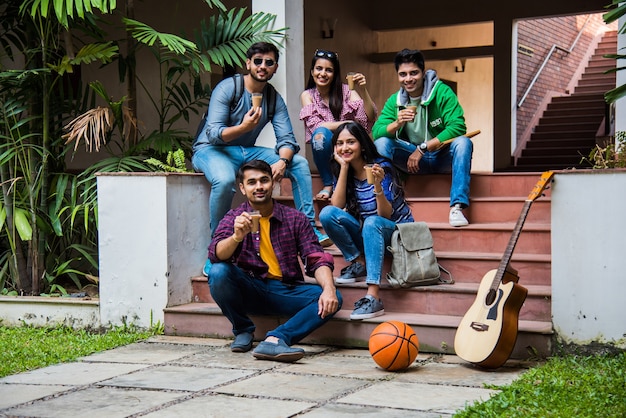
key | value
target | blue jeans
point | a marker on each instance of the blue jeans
(322, 147)
(239, 294)
(455, 158)
(348, 235)
(220, 164)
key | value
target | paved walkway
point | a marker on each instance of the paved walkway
(199, 377)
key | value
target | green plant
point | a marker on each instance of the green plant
(48, 218)
(618, 10)
(174, 162)
(613, 155)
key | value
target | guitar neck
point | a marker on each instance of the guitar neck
(508, 253)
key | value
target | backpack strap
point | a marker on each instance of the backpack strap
(271, 101)
(237, 91)
(449, 280)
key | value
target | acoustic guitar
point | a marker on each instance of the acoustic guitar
(488, 331)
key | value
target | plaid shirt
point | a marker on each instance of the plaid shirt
(316, 113)
(291, 234)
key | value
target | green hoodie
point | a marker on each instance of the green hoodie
(443, 111)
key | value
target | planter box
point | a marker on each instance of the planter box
(588, 262)
(49, 311)
(153, 238)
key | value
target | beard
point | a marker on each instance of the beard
(255, 77)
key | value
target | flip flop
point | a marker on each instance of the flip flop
(324, 192)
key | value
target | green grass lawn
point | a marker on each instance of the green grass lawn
(568, 386)
(28, 348)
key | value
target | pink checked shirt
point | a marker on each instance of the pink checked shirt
(317, 112)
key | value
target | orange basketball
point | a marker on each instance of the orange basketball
(393, 345)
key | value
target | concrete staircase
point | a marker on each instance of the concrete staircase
(569, 127)
(434, 311)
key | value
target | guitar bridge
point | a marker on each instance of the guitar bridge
(479, 326)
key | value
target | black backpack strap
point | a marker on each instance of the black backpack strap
(237, 91)
(271, 101)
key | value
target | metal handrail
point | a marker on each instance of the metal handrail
(545, 61)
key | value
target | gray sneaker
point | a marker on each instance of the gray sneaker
(367, 307)
(351, 273)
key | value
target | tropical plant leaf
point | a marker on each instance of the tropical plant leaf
(615, 94)
(147, 35)
(226, 37)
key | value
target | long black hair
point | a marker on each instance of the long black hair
(370, 156)
(335, 101)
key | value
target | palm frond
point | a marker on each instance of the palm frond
(147, 35)
(226, 37)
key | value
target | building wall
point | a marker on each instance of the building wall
(539, 36)
(356, 42)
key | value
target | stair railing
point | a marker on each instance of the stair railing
(545, 61)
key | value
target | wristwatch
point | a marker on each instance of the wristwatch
(423, 147)
(286, 161)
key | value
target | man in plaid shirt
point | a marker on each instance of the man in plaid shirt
(260, 273)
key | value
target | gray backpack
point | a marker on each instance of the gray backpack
(414, 262)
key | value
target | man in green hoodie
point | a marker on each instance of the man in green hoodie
(422, 129)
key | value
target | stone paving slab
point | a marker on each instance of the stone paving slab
(191, 379)
(153, 353)
(418, 396)
(182, 377)
(224, 406)
(72, 374)
(16, 393)
(290, 386)
(96, 402)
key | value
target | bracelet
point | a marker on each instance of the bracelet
(235, 239)
(378, 193)
(286, 161)
(420, 150)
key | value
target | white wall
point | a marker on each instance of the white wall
(588, 263)
(153, 239)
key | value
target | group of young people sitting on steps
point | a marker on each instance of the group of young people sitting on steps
(253, 265)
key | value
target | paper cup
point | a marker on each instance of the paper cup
(257, 99)
(368, 170)
(256, 215)
(350, 78)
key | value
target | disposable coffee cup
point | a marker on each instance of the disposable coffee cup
(350, 78)
(413, 108)
(368, 171)
(256, 215)
(257, 98)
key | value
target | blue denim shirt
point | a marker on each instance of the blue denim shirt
(220, 117)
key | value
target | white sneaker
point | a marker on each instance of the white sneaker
(456, 216)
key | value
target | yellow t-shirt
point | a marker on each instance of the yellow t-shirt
(267, 251)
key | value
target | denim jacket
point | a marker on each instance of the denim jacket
(220, 117)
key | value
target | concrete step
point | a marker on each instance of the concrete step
(468, 253)
(435, 332)
(449, 299)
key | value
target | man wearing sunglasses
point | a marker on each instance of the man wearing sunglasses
(228, 137)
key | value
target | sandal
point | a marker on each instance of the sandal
(323, 194)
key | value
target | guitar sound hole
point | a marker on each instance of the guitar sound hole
(491, 297)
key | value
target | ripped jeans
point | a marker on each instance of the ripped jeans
(322, 147)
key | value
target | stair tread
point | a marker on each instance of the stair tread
(444, 321)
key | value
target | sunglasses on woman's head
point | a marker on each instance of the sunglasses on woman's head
(268, 62)
(326, 54)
